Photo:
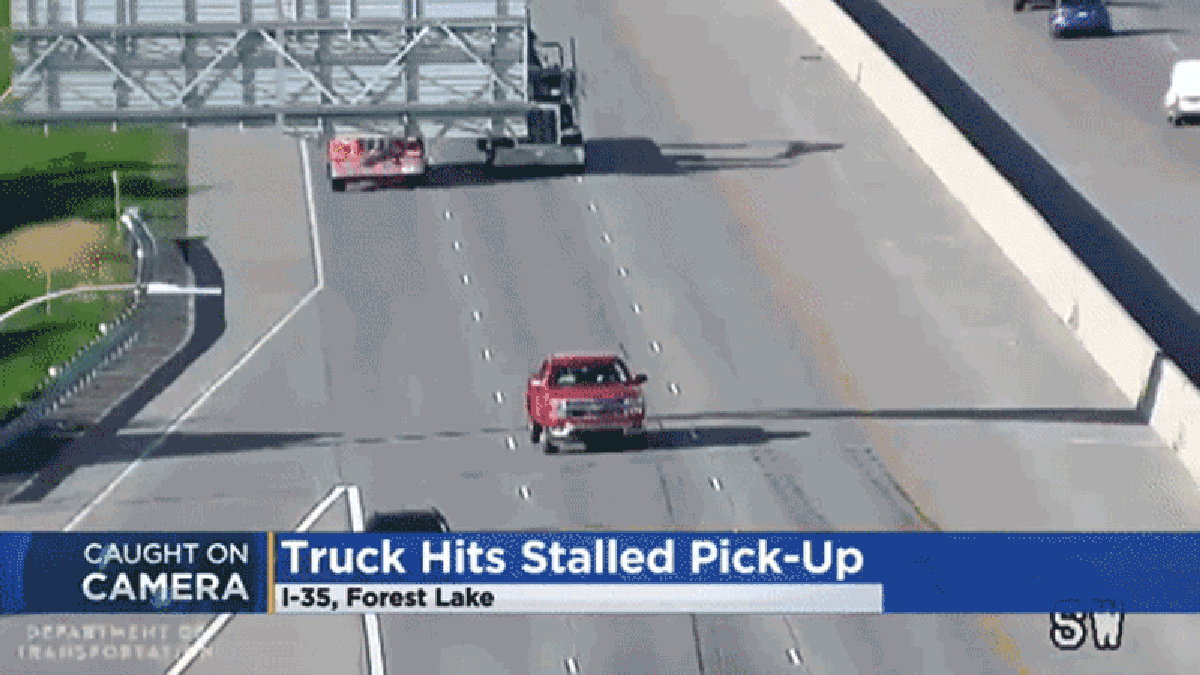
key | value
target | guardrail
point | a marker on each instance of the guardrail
(114, 340)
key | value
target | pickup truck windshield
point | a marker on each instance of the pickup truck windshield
(591, 374)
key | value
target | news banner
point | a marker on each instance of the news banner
(598, 573)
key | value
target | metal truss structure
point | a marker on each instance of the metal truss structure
(458, 65)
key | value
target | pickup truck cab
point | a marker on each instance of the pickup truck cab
(579, 396)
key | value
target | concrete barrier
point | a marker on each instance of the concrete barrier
(1108, 333)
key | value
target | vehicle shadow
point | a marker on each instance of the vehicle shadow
(1134, 4)
(628, 156)
(688, 438)
(1139, 32)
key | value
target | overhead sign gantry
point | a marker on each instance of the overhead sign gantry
(460, 65)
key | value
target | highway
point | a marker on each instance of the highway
(819, 268)
(1091, 106)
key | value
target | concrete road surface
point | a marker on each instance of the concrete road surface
(1092, 106)
(819, 268)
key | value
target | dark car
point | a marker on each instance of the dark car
(430, 520)
(1080, 17)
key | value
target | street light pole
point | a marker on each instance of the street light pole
(117, 189)
(151, 288)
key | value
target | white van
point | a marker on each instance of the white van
(1183, 96)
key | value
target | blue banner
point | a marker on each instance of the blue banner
(126, 572)
(894, 573)
(918, 572)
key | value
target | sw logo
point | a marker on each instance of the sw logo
(1068, 627)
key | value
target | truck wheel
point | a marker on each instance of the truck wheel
(1018, 5)
(535, 434)
(550, 448)
(339, 184)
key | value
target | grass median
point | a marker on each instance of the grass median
(59, 230)
(35, 260)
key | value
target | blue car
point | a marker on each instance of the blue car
(1080, 17)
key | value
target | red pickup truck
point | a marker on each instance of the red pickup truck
(376, 158)
(575, 397)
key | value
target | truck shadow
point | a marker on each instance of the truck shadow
(691, 438)
(630, 157)
(644, 157)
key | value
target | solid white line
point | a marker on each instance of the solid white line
(179, 421)
(210, 632)
(354, 502)
(319, 511)
(375, 662)
(312, 216)
(217, 624)
(374, 644)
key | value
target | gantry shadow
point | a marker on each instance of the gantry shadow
(72, 186)
(1110, 416)
(625, 156)
(60, 457)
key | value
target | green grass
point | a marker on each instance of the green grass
(50, 334)
(151, 162)
(6, 63)
(39, 169)
(67, 174)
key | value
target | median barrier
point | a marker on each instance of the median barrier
(1074, 294)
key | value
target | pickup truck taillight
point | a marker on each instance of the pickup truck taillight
(414, 149)
(340, 151)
